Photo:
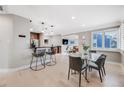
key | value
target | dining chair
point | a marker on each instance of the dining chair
(38, 54)
(77, 64)
(98, 65)
(51, 53)
(103, 65)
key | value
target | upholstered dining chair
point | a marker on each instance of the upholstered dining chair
(98, 65)
(77, 64)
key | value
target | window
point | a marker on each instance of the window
(97, 39)
(111, 39)
(105, 39)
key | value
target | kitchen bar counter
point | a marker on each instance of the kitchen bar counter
(56, 49)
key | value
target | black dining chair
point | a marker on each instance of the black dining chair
(98, 65)
(38, 54)
(77, 64)
(103, 65)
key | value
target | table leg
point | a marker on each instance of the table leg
(86, 71)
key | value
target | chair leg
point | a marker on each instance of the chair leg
(100, 75)
(36, 64)
(79, 79)
(104, 70)
(55, 58)
(44, 61)
(41, 60)
(51, 58)
(68, 73)
(31, 62)
(45, 56)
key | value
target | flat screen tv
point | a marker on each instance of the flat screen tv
(65, 41)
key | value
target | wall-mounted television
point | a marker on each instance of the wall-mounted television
(71, 42)
(65, 41)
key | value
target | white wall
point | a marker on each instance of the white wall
(6, 34)
(14, 50)
(56, 40)
(21, 52)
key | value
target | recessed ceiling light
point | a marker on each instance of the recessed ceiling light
(30, 19)
(73, 17)
(83, 25)
(43, 31)
(31, 29)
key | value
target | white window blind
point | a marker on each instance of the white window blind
(122, 36)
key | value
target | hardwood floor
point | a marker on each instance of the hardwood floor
(56, 76)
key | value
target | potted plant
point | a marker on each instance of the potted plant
(85, 48)
(33, 44)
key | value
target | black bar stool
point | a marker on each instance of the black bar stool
(38, 54)
(52, 56)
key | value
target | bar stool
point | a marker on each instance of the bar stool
(38, 54)
(52, 58)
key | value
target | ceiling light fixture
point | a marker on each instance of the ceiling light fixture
(73, 17)
(46, 28)
(30, 19)
(52, 26)
(42, 23)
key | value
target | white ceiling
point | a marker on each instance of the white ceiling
(61, 15)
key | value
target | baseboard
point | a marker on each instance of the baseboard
(111, 62)
(3, 70)
(10, 70)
